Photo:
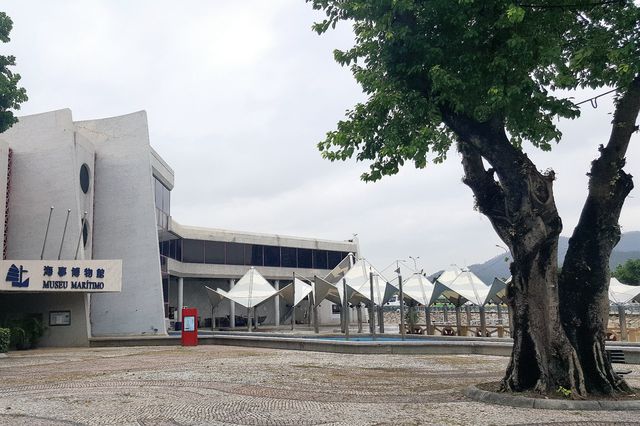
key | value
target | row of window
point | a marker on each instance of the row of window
(229, 253)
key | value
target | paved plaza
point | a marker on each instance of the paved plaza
(230, 385)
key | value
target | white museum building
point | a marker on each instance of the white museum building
(91, 248)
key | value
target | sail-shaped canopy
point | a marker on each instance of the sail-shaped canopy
(448, 275)
(622, 293)
(250, 290)
(498, 291)
(358, 279)
(323, 289)
(464, 287)
(336, 274)
(296, 292)
(419, 288)
(327, 287)
(215, 296)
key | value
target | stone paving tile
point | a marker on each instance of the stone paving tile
(247, 386)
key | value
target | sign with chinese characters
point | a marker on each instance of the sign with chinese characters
(89, 276)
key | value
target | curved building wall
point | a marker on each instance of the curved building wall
(124, 226)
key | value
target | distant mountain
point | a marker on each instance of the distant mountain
(627, 248)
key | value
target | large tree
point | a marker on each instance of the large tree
(489, 76)
(11, 95)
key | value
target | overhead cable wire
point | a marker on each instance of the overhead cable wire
(594, 100)
(572, 5)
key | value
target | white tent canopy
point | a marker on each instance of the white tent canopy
(419, 288)
(296, 292)
(335, 276)
(250, 290)
(622, 293)
(358, 278)
(326, 288)
(460, 288)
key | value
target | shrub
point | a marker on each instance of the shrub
(5, 338)
(25, 332)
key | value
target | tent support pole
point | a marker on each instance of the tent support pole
(276, 304)
(483, 322)
(316, 326)
(458, 320)
(372, 308)
(381, 319)
(232, 307)
(499, 308)
(359, 312)
(622, 316)
(293, 308)
(345, 306)
(402, 328)
(467, 310)
(427, 318)
(445, 313)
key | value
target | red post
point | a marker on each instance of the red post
(189, 327)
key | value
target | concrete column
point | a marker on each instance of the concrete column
(180, 297)
(499, 308)
(232, 310)
(276, 303)
(445, 313)
(622, 316)
(359, 312)
(467, 310)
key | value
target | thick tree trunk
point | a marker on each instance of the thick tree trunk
(542, 357)
(522, 210)
(585, 276)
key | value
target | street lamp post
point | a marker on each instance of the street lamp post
(415, 264)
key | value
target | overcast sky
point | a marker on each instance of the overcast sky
(238, 93)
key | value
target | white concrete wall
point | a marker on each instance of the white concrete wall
(45, 172)
(124, 226)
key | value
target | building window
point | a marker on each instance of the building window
(272, 256)
(253, 254)
(235, 254)
(214, 252)
(305, 258)
(289, 257)
(320, 259)
(84, 178)
(85, 234)
(334, 257)
(163, 204)
(193, 251)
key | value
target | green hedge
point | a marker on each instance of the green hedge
(5, 337)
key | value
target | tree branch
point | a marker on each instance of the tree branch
(488, 193)
(597, 231)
